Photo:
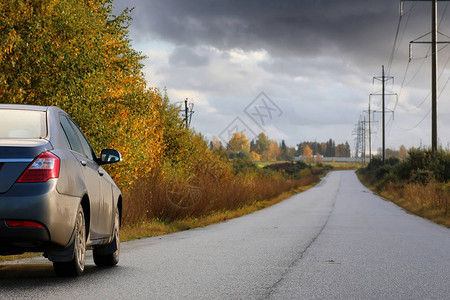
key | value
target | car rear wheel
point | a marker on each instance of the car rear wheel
(76, 266)
(110, 259)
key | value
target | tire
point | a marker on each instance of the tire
(75, 267)
(110, 259)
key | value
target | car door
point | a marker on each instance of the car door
(91, 171)
(105, 204)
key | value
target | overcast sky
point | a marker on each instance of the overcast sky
(298, 70)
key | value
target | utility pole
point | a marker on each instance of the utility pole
(363, 137)
(434, 70)
(434, 82)
(384, 118)
(357, 133)
(370, 137)
(369, 112)
(364, 140)
(383, 94)
(187, 112)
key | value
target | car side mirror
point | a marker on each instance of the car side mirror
(109, 156)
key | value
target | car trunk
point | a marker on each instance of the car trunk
(15, 156)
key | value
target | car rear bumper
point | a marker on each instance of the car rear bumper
(41, 203)
(20, 239)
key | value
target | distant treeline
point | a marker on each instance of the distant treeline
(264, 149)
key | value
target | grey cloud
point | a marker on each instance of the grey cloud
(284, 28)
(335, 45)
(187, 57)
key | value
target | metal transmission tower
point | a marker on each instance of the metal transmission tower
(369, 113)
(383, 94)
(434, 69)
(357, 133)
(364, 140)
(365, 136)
(360, 139)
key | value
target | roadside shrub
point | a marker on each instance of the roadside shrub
(244, 165)
(294, 170)
(391, 177)
(374, 164)
(421, 166)
(402, 170)
(382, 171)
(440, 166)
(392, 161)
(422, 176)
(388, 179)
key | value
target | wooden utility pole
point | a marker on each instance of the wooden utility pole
(434, 70)
(434, 82)
(370, 136)
(383, 94)
(384, 113)
(186, 112)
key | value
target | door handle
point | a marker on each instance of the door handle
(83, 163)
(101, 173)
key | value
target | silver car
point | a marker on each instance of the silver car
(55, 197)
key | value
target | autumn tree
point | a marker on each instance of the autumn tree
(238, 142)
(343, 150)
(319, 158)
(272, 153)
(262, 143)
(216, 144)
(77, 55)
(254, 156)
(307, 154)
(403, 153)
(314, 146)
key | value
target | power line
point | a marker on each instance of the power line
(434, 70)
(415, 126)
(429, 93)
(394, 48)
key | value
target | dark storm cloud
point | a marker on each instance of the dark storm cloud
(318, 58)
(345, 28)
(187, 57)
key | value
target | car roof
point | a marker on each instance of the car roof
(24, 107)
(30, 107)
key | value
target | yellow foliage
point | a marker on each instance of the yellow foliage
(255, 156)
(75, 55)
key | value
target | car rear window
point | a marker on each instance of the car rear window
(22, 124)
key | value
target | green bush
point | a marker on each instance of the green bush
(244, 165)
(374, 164)
(422, 176)
(382, 171)
(422, 166)
(392, 161)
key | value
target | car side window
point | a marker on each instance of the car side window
(74, 143)
(87, 150)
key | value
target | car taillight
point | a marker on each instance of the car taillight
(23, 224)
(44, 167)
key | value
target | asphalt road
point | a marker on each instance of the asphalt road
(335, 241)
